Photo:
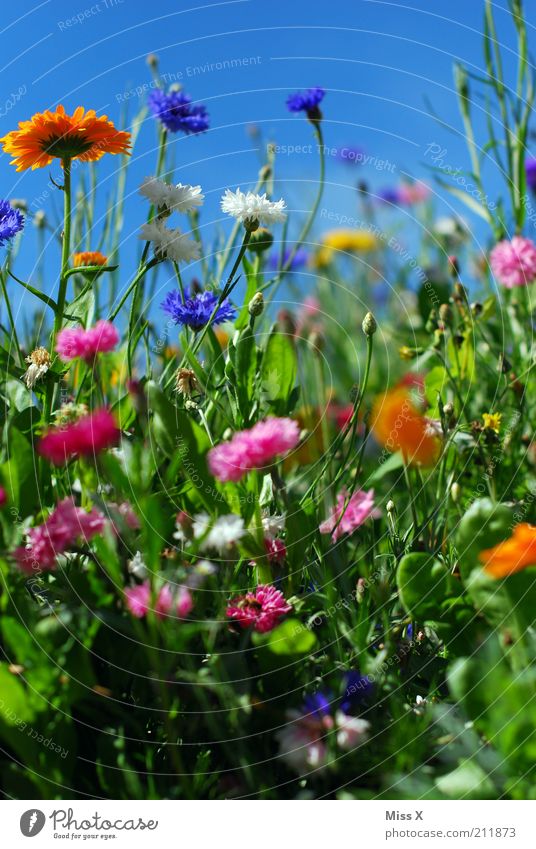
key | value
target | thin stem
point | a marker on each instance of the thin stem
(65, 250)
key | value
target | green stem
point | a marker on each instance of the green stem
(10, 314)
(65, 250)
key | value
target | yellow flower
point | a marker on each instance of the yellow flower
(492, 421)
(351, 241)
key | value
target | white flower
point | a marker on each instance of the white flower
(273, 526)
(170, 198)
(137, 567)
(39, 364)
(351, 732)
(220, 535)
(420, 705)
(169, 244)
(249, 207)
(300, 743)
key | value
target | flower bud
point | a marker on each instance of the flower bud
(369, 325)
(390, 506)
(261, 240)
(455, 492)
(445, 313)
(152, 60)
(316, 341)
(256, 305)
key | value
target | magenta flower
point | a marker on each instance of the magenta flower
(76, 342)
(86, 437)
(253, 449)
(514, 263)
(260, 610)
(358, 509)
(139, 601)
(65, 525)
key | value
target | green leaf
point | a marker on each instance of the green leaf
(484, 524)
(434, 384)
(279, 367)
(14, 703)
(423, 584)
(467, 781)
(291, 638)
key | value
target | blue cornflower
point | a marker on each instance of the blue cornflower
(318, 705)
(195, 310)
(11, 221)
(307, 101)
(351, 155)
(530, 171)
(356, 688)
(299, 260)
(389, 195)
(176, 112)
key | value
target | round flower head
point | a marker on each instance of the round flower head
(38, 365)
(84, 438)
(86, 344)
(260, 610)
(252, 209)
(514, 263)
(168, 198)
(50, 135)
(11, 221)
(299, 259)
(196, 310)
(308, 102)
(399, 426)
(253, 449)
(84, 258)
(169, 244)
(177, 113)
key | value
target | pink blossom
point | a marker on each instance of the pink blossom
(260, 610)
(275, 549)
(125, 513)
(3, 496)
(65, 525)
(253, 449)
(77, 342)
(352, 731)
(85, 437)
(514, 263)
(139, 601)
(340, 414)
(301, 741)
(410, 193)
(359, 507)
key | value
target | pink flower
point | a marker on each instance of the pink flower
(65, 525)
(260, 610)
(275, 549)
(86, 437)
(359, 507)
(341, 414)
(410, 193)
(3, 496)
(514, 263)
(301, 741)
(139, 601)
(125, 514)
(352, 731)
(77, 342)
(253, 449)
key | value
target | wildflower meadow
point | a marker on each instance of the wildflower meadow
(268, 476)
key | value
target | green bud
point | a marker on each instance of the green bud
(256, 305)
(369, 325)
(261, 240)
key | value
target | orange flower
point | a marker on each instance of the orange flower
(513, 554)
(55, 134)
(89, 258)
(399, 426)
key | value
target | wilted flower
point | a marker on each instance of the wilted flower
(252, 209)
(514, 263)
(168, 198)
(186, 382)
(260, 610)
(39, 364)
(196, 311)
(177, 112)
(168, 243)
(253, 449)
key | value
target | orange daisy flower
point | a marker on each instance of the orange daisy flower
(50, 135)
(89, 258)
(399, 426)
(513, 554)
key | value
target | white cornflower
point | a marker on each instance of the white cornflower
(351, 730)
(39, 364)
(273, 526)
(137, 566)
(252, 209)
(169, 244)
(170, 198)
(220, 535)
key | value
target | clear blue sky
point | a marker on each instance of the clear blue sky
(378, 60)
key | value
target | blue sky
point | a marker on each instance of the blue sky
(381, 62)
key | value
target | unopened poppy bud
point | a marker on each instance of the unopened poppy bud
(261, 240)
(455, 492)
(369, 325)
(256, 305)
